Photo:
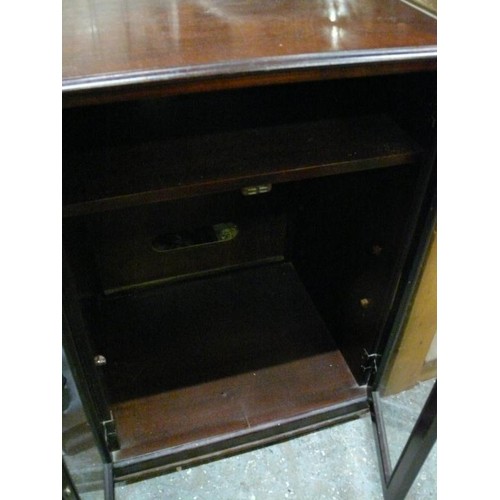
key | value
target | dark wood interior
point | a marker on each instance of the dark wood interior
(131, 154)
(207, 329)
(218, 356)
(207, 343)
(234, 406)
(237, 318)
(211, 341)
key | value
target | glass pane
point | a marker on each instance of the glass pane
(80, 453)
(400, 412)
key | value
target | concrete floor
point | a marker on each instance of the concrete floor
(339, 463)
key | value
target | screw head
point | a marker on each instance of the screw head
(100, 360)
(365, 303)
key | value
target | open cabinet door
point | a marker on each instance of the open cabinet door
(397, 479)
(87, 432)
(85, 466)
(401, 457)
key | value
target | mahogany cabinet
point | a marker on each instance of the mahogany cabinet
(248, 192)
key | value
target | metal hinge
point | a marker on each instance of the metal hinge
(369, 362)
(110, 434)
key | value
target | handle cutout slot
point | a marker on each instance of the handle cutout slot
(218, 233)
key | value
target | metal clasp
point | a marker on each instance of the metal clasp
(253, 190)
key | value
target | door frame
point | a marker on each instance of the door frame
(397, 480)
(80, 359)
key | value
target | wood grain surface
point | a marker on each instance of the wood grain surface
(187, 418)
(130, 44)
(239, 351)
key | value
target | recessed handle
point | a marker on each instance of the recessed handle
(167, 242)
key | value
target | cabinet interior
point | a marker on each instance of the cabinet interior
(222, 314)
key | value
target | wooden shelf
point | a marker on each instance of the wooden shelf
(208, 358)
(180, 421)
(109, 176)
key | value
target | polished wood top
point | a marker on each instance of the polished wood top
(129, 43)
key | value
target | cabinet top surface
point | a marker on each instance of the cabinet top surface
(110, 43)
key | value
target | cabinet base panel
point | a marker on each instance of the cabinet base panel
(260, 357)
(270, 397)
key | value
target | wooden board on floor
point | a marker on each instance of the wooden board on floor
(408, 366)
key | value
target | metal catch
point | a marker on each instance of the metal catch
(252, 190)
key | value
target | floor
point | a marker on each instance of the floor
(338, 463)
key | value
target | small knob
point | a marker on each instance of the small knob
(100, 360)
(365, 303)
